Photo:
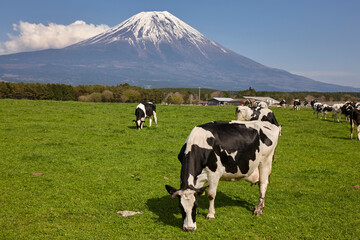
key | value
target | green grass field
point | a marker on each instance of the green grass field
(66, 168)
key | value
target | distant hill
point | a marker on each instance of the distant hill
(153, 50)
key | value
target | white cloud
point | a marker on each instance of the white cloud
(33, 36)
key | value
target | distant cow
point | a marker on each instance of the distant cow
(355, 119)
(317, 108)
(223, 150)
(325, 109)
(244, 113)
(347, 108)
(283, 103)
(142, 111)
(312, 103)
(336, 108)
(297, 104)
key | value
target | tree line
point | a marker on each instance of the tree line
(130, 94)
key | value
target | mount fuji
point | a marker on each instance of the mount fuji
(153, 49)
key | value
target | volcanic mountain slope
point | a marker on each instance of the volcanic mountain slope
(153, 49)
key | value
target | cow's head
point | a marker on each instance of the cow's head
(139, 123)
(188, 201)
(241, 112)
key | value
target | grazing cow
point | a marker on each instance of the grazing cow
(142, 111)
(260, 104)
(325, 109)
(244, 113)
(317, 108)
(297, 104)
(347, 108)
(355, 119)
(305, 103)
(336, 108)
(232, 150)
(312, 103)
(282, 103)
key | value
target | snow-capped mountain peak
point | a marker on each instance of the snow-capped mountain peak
(152, 27)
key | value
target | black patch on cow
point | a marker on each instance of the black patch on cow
(256, 114)
(181, 154)
(139, 113)
(194, 162)
(265, 139)
(149, 108)
(230, 138)
(270, 117)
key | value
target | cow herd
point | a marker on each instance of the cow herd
(351, 111)
(242, 149)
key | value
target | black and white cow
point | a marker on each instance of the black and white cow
(223, 150)
(336, 108)
(347, 108)
(283, 103)
(312, 102)
(142, 111)
(325, 109)
(297, 104)
(317, 108)
(355, 119)
(244, 113)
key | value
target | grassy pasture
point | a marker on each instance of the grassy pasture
(66, 168)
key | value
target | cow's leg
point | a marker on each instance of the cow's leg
(155, 118)
(358, 132)
(265, 170)
(213, 183)
(150, 121)
(351, 129)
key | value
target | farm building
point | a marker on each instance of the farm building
(269, 101)
(219, 101)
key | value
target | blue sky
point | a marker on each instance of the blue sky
(319, 39)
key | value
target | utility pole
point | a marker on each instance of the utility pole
(199, 94)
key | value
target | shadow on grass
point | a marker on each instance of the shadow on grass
(166, 208)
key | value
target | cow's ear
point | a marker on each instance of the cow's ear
(201, 190)
(171, 190)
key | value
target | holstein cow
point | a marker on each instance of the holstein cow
(283, 103)
(325, 109)
(297, 104)
(317, 108)
(347, 108)
(142, 111)
(336, 108)
(312, 102)
(223, 150)
(355, 119)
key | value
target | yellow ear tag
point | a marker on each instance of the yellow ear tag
(203, 194)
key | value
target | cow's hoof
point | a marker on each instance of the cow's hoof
(258, 211)
(210, 216)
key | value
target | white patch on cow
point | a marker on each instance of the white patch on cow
(187, 201)
(190, 180)
(142, 107)
(199, 136)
